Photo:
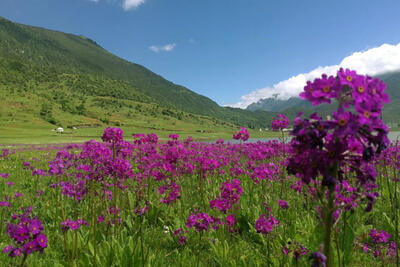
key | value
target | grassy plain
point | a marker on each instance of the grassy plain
(42, 133)
(149, 241)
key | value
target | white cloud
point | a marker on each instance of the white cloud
(160, 48)
(126, 4)
(384, 58)
(130, 4)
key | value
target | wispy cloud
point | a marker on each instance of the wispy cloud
(160, 48)
(126, 4)
(131, 4)
(384, 58)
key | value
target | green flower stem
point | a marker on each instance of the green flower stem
(328, 218)
(201, 191)
(65, 234)
(94, 225)
(337, 249)
(328, 223)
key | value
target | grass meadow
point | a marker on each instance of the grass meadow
(183, 203)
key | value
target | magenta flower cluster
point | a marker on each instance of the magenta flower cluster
(4, 175)
(27, 233)
(171, 192)
(296, 249)
(283, 204)
(112, 135)
(350, 140)
(242, 135)
(203, 222)
(265, 224)
(349, 87)
(4, 204)
(378, 236)
(379, 244)
(5, 152)
(72, 225)
(318, 259)
(179, 233)
(280, 122)
(230, 195)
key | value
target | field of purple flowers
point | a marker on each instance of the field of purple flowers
(327, 197)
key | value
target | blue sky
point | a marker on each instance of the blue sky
(223, 49)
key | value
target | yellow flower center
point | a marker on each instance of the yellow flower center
(326, 89)
(374, 91)
(342, 122)
(311, 90)
(366, 114)
(361, 89)
(349, 78)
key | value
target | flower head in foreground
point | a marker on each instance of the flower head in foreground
(347, 141)
(27, 234)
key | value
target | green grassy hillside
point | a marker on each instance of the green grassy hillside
(74, 75)
(35, 100)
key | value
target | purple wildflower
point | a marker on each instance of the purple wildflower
(318, 259)
(283, 204)
(280, 122)
(265, 225)
(112, 135)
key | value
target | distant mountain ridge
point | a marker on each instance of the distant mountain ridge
(391, 112)
(275, 104)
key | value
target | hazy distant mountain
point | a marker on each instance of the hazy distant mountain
(391, 112)
(277, 105)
